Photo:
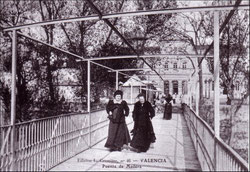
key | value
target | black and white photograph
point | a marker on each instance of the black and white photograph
(124, 85)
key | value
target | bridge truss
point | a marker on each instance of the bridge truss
(94, 60)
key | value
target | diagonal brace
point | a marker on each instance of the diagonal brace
(120, 35)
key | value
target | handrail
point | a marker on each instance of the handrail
(221, 156)
(51, 117)
(232, 152)
(209, 128)
(38, 149)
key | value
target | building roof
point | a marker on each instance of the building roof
(135, 81)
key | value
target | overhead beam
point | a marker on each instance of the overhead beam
(111, 57)
(106, 67)
(69, 53)
(147, 56)
(148, 89)
(127, 14)
(142, 69)
(187, 74)
(52, 46)
(119, 34)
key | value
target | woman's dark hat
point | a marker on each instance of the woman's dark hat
(118, 92)
(168, 98)
(141, 95)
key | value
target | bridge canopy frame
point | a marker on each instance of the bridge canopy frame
(100, 16)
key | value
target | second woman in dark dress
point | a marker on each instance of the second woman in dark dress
(143, 133)
(118, 133)
(168, 108)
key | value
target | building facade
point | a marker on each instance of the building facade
(178, 71)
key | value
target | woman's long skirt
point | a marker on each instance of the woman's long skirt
(141, 139)
(167, 112)
(118, 135)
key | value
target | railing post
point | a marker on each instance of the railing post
(189, 95)
(88, 101)
(147, 89)
(13, 99)
(197, 96)
(216, 83)
(131, 91)
(117, 80)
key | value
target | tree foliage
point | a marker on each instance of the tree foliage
(39, 68)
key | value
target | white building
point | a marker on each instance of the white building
(178, 72)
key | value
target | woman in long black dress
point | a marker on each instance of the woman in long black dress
(168, 108)
(118, 133)
(143, 133)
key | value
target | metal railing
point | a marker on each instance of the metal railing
(212, 152)
(43, 143)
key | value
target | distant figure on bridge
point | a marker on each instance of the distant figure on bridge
(168, 108)
(143, 133)
(174, 98)
(118, 133)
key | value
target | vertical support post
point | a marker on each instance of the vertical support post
(216, 85)
(179, 88)
(88, 101)
(131, 95)
(13, 99)
(216, 75)
(188, 93)
(197, 97)
(209, 88)
(171, 87)
(116, 80)
(147, 90)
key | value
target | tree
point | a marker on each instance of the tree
(234, 44)
(197, 33)
(11, 18)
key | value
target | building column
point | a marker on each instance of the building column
(209, 88)
(170, 87)
(189, 94)
(205, 89)
(180, 87)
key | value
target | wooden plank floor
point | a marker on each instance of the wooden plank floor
(172, 151)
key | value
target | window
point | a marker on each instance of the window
(153, 66)
(166, 65)
(184, 65)
(175, 65)
(237, 86)
(175, 87)
(166, 87)
(184, 87)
